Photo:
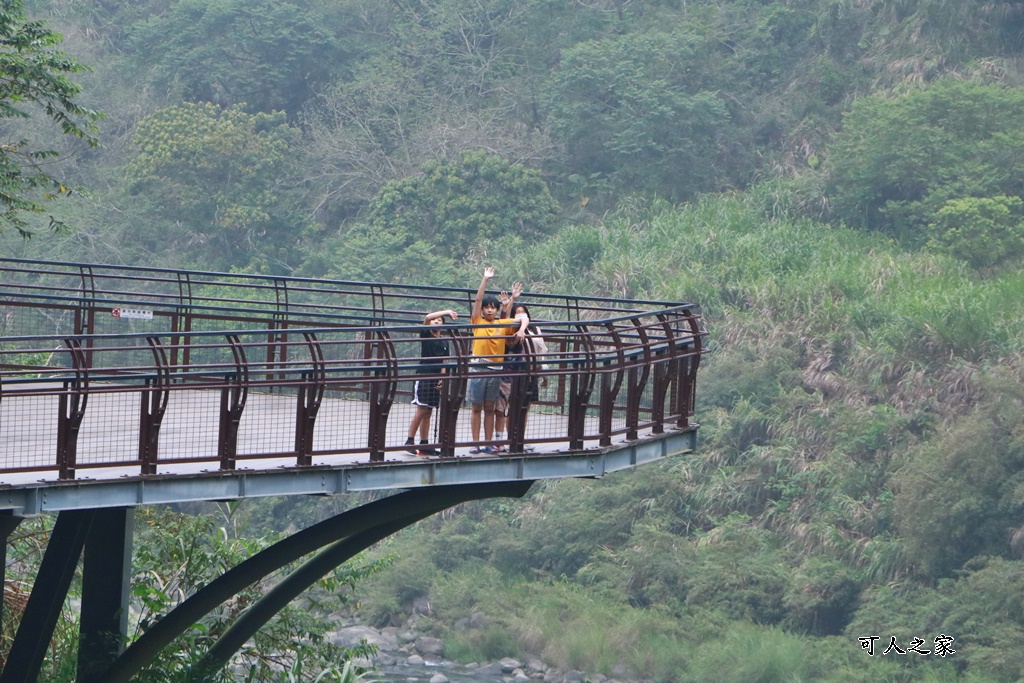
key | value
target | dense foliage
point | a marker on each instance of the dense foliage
(835, 181)
(34, 81)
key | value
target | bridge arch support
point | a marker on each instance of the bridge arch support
(338, 539)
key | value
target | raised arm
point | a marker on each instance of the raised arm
(524, 322)
(440, 314)
(479, 300)
(508, 302)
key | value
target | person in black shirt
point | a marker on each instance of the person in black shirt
(427, 392)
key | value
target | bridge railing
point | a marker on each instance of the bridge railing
(41, 297)
(223, 383)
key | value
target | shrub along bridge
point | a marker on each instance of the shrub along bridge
(129, 386)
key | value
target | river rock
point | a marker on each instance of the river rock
(519, 677)
(421, 605)
(426, 645)
(553, 676)
(508, 665)
(598, 678)
(534, 665)
(350, 636)
(462, 624)
(573, 677)
(438, 678)
(415, 660)
(492, 669)
(621, 671)
(477, 620)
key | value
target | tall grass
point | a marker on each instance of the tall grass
(726, 253)
(565, 625)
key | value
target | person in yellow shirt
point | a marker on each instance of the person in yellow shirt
(488, 359)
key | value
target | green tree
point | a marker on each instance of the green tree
(267, 55)
(899, 159)
(472, 202)
(636, 109)
(218, 175)
(34, 76)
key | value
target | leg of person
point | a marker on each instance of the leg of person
(501, 412)
(476, 420)
(488, 417)
(474, 396)
(414, 423)
(425, 414)
(490, 399)
(425, 432)
(431, 398)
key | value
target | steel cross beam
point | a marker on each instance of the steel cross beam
(349, 532)
(44, 603)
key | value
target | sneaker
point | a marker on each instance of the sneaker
(475, 450)
(426, 451)
(498, 449)
(410, 447)
(489, 450)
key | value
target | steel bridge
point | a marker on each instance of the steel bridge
(126, 386)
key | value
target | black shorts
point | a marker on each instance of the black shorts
(426, 393)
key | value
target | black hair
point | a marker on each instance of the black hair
(490, 300)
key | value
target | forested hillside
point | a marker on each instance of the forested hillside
(838, 182)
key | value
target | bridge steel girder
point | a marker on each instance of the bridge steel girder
(291, 587)
(44, 603)
(8, 523)
(345, 534)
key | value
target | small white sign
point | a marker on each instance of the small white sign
(139, 313)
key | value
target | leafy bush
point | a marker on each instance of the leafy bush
(899, 159)
(984, 231)
(480, 199)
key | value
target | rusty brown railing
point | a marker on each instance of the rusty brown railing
(104, 366)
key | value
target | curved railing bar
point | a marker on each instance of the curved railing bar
(581, 385)
(71, 410)
(153, 407)
(610, 385)
(382, 391)
(232, 404)
(310, 397)
(638, 374)
(663, 376)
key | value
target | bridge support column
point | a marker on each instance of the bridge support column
(106, 579)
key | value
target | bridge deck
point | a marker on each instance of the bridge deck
(193, 475)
